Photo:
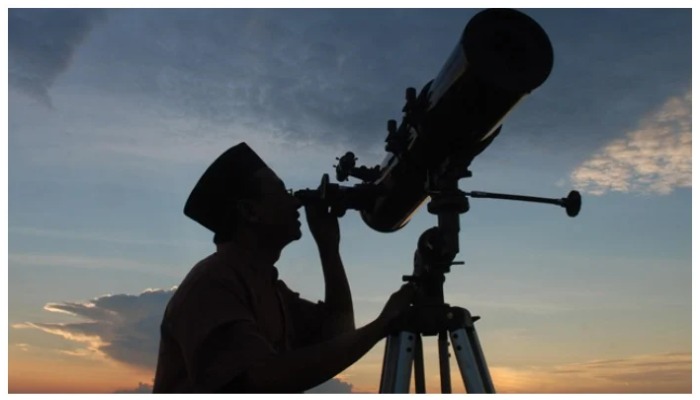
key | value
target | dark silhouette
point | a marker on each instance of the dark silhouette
(232, 325)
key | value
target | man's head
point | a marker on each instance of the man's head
(240, 193)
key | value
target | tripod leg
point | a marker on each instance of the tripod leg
(470, 359)
(481, 360)
(419, 366)
(398, 357)
(444, 354)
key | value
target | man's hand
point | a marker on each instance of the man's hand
(323, 226)
(398, 303)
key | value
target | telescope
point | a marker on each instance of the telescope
(500, 58)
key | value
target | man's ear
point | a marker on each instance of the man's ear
(246, 211)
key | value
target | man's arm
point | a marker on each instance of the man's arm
(305, 368)
(308, 367)
(338, 298)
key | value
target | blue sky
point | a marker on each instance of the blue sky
(114, 115)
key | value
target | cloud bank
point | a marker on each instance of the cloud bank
(655, 158)
(121, 327)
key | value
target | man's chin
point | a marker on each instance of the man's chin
(294, 236)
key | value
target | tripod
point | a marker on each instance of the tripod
(430, 315)
(406, 346)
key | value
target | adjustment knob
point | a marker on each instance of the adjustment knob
(572, 203)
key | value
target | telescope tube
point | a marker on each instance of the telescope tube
(501, 57)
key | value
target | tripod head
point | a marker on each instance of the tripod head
(438, 246)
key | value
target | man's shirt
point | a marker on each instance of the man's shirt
(229, 314)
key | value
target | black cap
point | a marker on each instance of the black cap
(227, 179)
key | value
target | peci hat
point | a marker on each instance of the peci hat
(226, 179)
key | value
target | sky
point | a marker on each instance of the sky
(113, 114)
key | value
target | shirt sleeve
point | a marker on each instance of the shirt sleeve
(307, 318)
(219, 338)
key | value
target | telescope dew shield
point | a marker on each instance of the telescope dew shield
(501, 57)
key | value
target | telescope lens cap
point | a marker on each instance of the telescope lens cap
(508, 49)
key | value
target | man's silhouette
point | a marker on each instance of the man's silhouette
(232, 325)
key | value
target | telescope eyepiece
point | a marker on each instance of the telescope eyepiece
(307, 196)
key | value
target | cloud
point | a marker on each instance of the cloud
(42, 44)
(334, 385)
(141, 388)
(303, 75)
(657, 373)
(23, 346)
(655, 158)
(121, 327)
(80, 332)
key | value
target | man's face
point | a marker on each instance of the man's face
(276, 209)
